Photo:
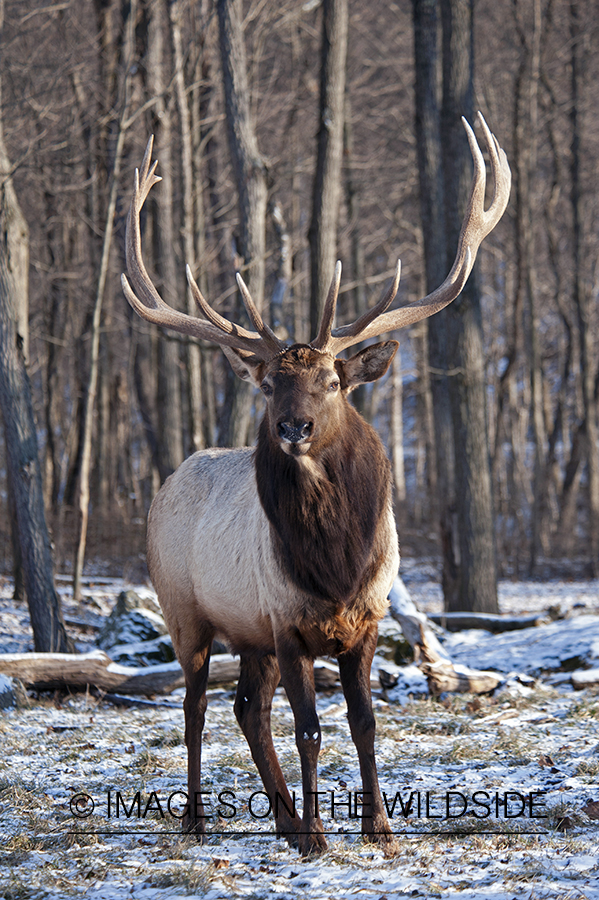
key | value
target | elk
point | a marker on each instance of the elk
(288, 551)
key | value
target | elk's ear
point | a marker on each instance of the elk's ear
(367, 365)
(245, 365)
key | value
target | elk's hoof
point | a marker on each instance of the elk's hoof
(312, 843)
(288, 828)
(386, 841)
(195, 828)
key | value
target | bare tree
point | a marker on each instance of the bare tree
(430, 169)
(580, 294)
(526, 159)
(190, 196)
(326, 196)
(170, 417)
(90, 400)
(20, 434)
(250, 181)
(474, 505)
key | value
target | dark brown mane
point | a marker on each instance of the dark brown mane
(325, 528)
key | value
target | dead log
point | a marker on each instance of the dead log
(442, 674)
(47, 671)
(415, 626)
(130, 702)
(447, 677)
(459, 621)
(583, 678)
(326, 675)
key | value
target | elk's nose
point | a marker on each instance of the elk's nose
(295, 433)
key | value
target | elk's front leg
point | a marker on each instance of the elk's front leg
(354, 669)
(297, 674)
(258, 680)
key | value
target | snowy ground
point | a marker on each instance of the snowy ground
(536, 741)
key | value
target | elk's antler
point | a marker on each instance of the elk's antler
(263, 344)
(147, 302)
(477, 224)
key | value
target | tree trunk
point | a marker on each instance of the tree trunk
(250, 181)
(397, 451)
(361, 397)
(474, 506)
(202, 94)
(170, 419)
(525, 157)
(23, 465)
(194, 370)
(55, 312)
(430, 169)
(581, 295)
(90, 399)
(322, 234)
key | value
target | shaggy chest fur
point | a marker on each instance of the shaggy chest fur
(326, 516)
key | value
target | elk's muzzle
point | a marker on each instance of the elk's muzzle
(295, 433)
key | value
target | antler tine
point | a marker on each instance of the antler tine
(147, 174)
(213, 317)
(147, 302)
(502, 178)
(143, 183)
(265, 332)
(346, 332)
(477, 224)
(323, 338)
(219, 322)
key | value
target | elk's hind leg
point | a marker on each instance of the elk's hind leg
(258, 680)
(195, 667)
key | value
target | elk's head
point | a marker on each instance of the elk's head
(306, 390)
(306, 386)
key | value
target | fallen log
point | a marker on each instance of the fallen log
(447, 677)
(583, 678)
(441, 673)
(128, 701)
(47, 671)
(415, 626)
(460, 621)
(326, 675)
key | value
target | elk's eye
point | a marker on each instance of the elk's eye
(266, 389)
(334, 385)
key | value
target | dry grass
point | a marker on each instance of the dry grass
(426, 745)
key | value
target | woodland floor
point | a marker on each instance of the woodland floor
(538, 739)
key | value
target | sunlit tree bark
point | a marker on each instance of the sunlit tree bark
(250, 182)
(430, 169)
(326, 197)
(477, 589)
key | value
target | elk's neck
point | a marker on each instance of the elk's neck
(326, 510)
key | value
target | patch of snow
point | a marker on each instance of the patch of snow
(529, 738)
(531, 650)
(412, 685)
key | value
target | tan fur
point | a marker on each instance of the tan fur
(212, 563)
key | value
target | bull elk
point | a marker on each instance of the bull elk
(288, 551)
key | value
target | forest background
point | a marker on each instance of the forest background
(85, 82)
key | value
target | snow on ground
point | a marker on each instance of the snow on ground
(504, 792)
